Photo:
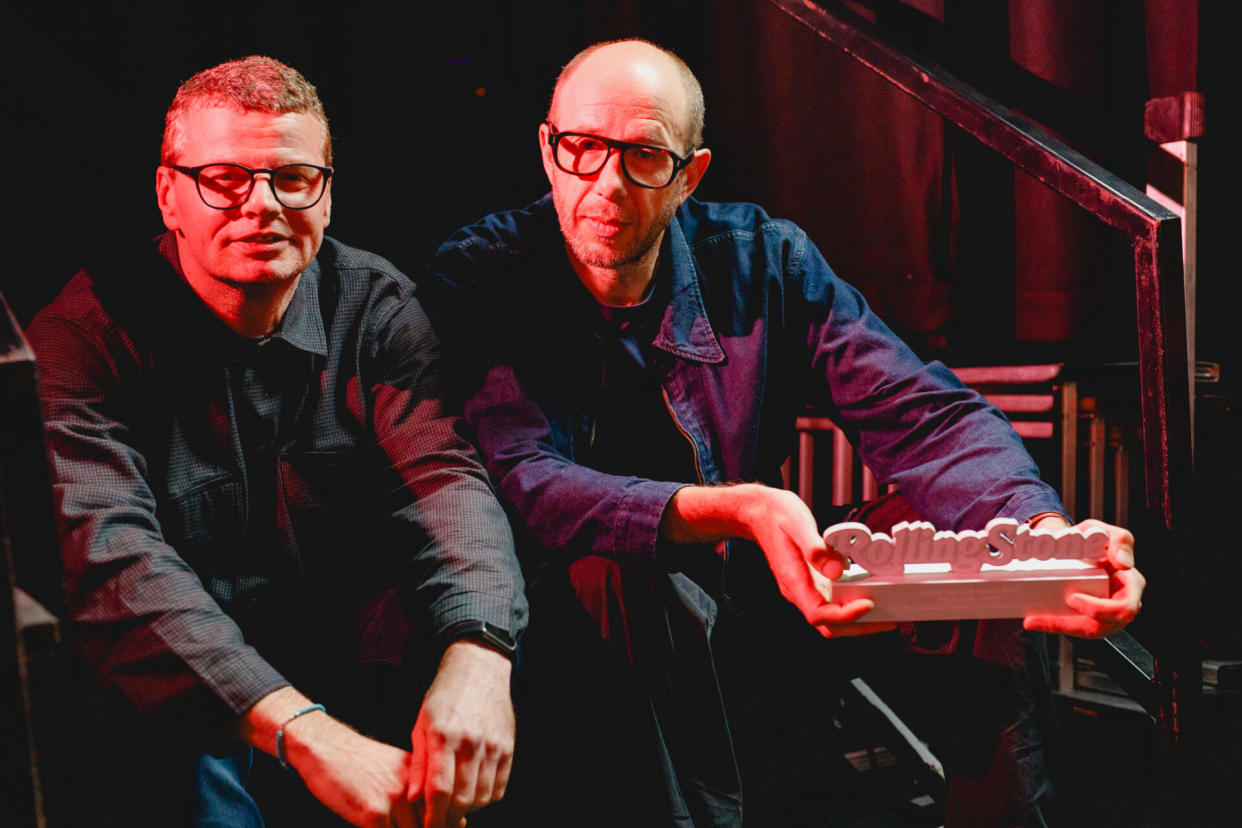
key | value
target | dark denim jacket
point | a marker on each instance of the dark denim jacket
(757, 328)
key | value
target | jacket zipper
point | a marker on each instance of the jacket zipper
(723, 547)
(694, 448)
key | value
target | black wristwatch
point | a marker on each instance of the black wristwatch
(484, 632)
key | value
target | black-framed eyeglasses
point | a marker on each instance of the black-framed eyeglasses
(583, 155)
(225, 186)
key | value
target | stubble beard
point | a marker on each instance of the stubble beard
(244, 272)
(596, 254)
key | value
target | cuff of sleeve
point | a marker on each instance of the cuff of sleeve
(1026, 508)
(636, 531)
(242, 678)
(478, 606)
(492, 635)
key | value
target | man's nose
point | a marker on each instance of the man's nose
(262, 196)
(611, 177)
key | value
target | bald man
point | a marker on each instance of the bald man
(632, 361)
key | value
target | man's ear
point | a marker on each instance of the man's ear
(166, 196)
(545, 151)
(695, 171)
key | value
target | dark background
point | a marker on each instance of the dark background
(434, 108)
(969, 260)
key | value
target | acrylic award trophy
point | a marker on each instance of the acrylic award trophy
(1005, 571)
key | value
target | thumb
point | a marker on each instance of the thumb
(827, 561)
(802, 532)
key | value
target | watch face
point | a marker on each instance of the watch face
(499, 636)
(484, 633)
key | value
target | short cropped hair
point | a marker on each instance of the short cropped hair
(255, 83)
(694, 92)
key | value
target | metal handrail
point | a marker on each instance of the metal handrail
(1168, 687)
(1154, 230)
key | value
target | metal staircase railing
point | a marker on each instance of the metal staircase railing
(1167, 680)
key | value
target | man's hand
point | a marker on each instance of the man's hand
(463, 739)
(785, 530)
(360, 779)
(1098, 617)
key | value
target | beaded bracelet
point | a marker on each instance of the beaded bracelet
(280, 735)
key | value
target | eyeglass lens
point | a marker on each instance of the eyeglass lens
(585, 155)
(228, 185)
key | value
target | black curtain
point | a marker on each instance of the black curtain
(434, 108)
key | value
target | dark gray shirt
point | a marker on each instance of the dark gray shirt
(195, 470)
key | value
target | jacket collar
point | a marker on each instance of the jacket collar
(685, 330)
(301, 326)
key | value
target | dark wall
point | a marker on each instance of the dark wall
(434, 107)
(449, 94)
(966, 258)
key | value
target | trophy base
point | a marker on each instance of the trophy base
(995, 592)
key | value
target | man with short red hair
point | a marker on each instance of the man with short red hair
(264, 507)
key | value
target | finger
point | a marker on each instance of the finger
(502, 775)
(438, 789)
(1127, 591)
(821, 582)
(809, 601)
(850, 630)
(827, 561)
(797, 585)
(842, 619)
(418, 764)
(1102, 609)
(1096, 617)
(485, 787)
(1121, 549)
(829, 615)
(1076, 625)
(465, 781)
(844, 613)
(403, 816)
(823, 560)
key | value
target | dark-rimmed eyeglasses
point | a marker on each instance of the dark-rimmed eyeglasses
(584, 155)
(225, 186)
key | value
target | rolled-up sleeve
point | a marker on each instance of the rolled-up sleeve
(954, 455)
(467, 569)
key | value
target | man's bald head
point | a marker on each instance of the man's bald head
(660, 60)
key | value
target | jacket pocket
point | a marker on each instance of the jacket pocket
(205, 524)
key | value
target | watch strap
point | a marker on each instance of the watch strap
(484, 632)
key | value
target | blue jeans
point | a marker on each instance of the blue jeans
(220, 796)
